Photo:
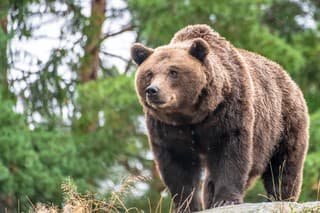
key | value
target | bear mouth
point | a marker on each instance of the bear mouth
(159, 104)
(156, 104)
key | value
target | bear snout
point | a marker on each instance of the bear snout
(152, 95)
(152, 91)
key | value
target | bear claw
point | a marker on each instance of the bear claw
(225, 203)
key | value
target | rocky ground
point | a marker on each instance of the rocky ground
(274, 207)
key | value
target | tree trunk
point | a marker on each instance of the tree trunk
(90, 62)
(6, 201)
(5, 93)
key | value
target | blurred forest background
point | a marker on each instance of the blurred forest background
(71, 110)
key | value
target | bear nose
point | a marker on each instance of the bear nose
(152, 91)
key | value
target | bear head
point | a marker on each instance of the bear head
(171, 81)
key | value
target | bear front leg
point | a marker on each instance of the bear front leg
(228, 166)
(180, 172)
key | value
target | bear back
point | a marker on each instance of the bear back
(200, 31)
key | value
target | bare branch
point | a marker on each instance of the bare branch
(117, 9)
(115, 56)
(129, 64)
(127, 67)
(43, 23)
(125, 29)
(44, 37)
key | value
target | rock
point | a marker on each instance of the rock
(272, 207)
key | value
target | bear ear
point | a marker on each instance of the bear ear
(199, 49)
(140, 53)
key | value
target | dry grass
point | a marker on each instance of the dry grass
(318, 190)
(277, 188)
(88, 203)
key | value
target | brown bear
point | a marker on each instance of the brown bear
(231, 113)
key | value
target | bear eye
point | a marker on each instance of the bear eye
(149, 75)
(173, 74)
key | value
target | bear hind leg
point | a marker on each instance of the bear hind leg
(283, 176)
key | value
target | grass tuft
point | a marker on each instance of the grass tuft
(88, 203)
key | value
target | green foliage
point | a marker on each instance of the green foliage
(34, 163)
(115, 101)
(308, 77)
(314, 132)
(311, 183)
(23, 171)
(115, 97)
(256, 193)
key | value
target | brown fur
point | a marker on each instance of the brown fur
(231, 112)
